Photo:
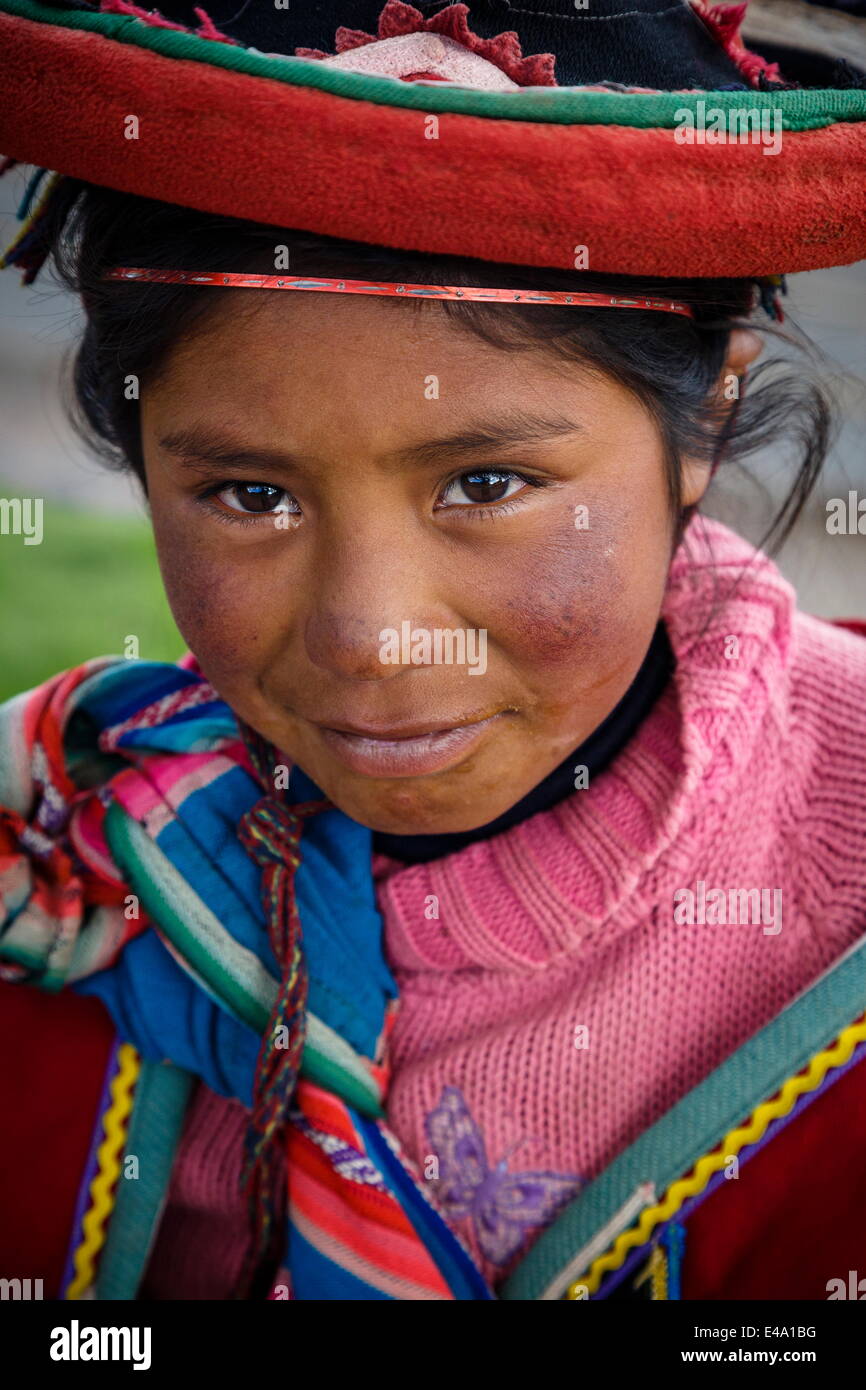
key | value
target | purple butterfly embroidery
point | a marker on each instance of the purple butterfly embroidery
(502, 1205)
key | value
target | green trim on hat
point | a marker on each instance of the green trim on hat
(801, 109)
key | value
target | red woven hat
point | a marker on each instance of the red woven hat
(642, 130)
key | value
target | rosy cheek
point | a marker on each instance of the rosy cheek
(218, 617)
(566, 599)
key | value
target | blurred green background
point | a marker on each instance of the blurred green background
(92, 583)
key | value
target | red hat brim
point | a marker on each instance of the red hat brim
(522, 177)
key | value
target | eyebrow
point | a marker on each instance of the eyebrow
(512, 429)
(202, 445)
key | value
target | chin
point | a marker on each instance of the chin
(400, 810)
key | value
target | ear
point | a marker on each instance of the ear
(744, 346)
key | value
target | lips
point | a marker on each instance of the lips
(405, 751)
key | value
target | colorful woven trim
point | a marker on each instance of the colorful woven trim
(635, 1190)
(361, 1223)
(744, 1136)
(153, 1136)
(474, 293)
(99, 1188)
(227, 970)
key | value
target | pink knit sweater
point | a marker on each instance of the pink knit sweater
(555, 993)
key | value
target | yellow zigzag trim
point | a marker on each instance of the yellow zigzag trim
(108, 1158)
(836, 1055)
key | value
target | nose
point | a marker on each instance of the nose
(370, 585)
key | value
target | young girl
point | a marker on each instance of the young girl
(487, 884)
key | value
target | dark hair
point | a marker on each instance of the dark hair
(671, 363)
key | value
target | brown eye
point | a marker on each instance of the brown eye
(487, 485)
(258, 498)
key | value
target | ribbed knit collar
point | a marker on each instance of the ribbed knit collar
(574, 877)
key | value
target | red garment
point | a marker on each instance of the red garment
(56, 1049)
(795, 1218)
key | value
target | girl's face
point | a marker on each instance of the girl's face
(346, 493)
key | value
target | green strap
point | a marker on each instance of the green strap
(159, 1105)
(695, 1125)
(800, 109)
